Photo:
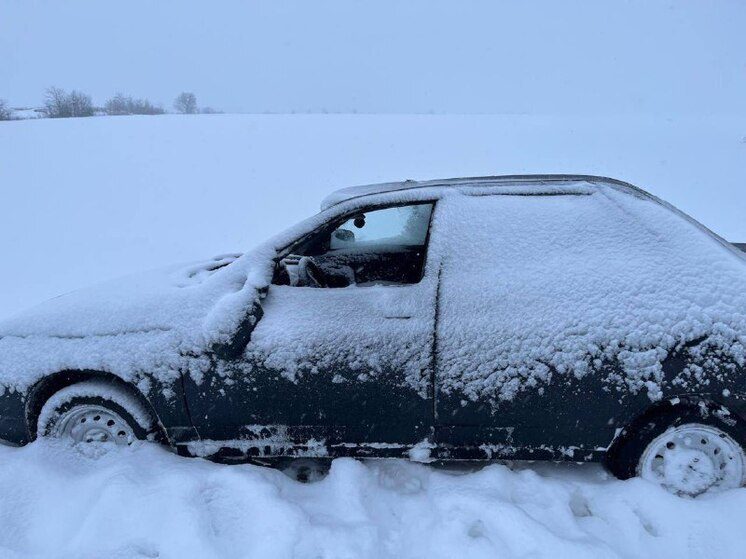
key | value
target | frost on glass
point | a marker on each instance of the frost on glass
(397, 226)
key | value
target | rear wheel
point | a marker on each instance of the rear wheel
(95, 412)
(693, 458)
(686, 451)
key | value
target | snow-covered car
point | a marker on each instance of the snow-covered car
(554, 317)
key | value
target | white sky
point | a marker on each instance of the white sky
(569, 57)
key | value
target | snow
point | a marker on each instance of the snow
(552, 184)
(141, 323)
(305, 330)
(577, 274)
(89, 199)
(93, 388)
(536, 286)
(138, 502)
(113, 196)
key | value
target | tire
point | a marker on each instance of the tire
(687, 450)
(95, 411)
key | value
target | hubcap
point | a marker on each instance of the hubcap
(89, 423)
(691, 459)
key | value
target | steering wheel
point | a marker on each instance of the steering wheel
(312, 272)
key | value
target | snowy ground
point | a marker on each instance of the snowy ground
(87, 199)
(145, 502)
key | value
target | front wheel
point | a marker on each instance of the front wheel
(94, 412)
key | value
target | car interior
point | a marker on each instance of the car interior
(378, 247)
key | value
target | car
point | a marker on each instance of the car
(546, 317)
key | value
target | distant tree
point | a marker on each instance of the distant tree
(186, 103)
(210, 111)
(145, 107)
(5, 112)
(80, 104)
(55, 103)
(117, 105)
(60, 104)
(122, 104)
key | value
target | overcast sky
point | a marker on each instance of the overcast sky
(548, 57)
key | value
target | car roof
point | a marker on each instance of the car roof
(525, 181)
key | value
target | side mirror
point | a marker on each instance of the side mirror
(344, 236)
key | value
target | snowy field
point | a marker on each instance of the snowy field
(85, 200)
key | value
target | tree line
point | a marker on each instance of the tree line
(59, 103)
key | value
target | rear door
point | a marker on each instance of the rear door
(513, 372)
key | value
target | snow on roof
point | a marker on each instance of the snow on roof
(556, 184)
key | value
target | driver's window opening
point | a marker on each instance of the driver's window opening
(377, 247)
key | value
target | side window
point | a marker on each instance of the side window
(384, 246)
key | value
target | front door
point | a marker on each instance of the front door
(342, 359)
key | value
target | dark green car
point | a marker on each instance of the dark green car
(551, 317)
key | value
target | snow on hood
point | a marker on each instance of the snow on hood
(149, 325)
(143, 327)
(161, 299)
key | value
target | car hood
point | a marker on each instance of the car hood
(163, 299)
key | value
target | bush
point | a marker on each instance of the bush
(186, 103)
(210, 111)
(60, 104)
(125, 105)
(5, 112)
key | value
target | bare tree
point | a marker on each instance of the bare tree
(117, 105)
(80, 104)
(122, 104)
(55, 103)
(5, 112)
(145, 107)
(186, 103)
(60, 104)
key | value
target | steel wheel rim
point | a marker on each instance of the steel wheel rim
(91, 423)
(692, 459)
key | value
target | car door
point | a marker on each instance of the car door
(345, 363)
(509, 293)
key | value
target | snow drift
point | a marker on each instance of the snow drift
(143, 502)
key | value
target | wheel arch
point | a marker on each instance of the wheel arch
(705, 405)
(51, 384)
